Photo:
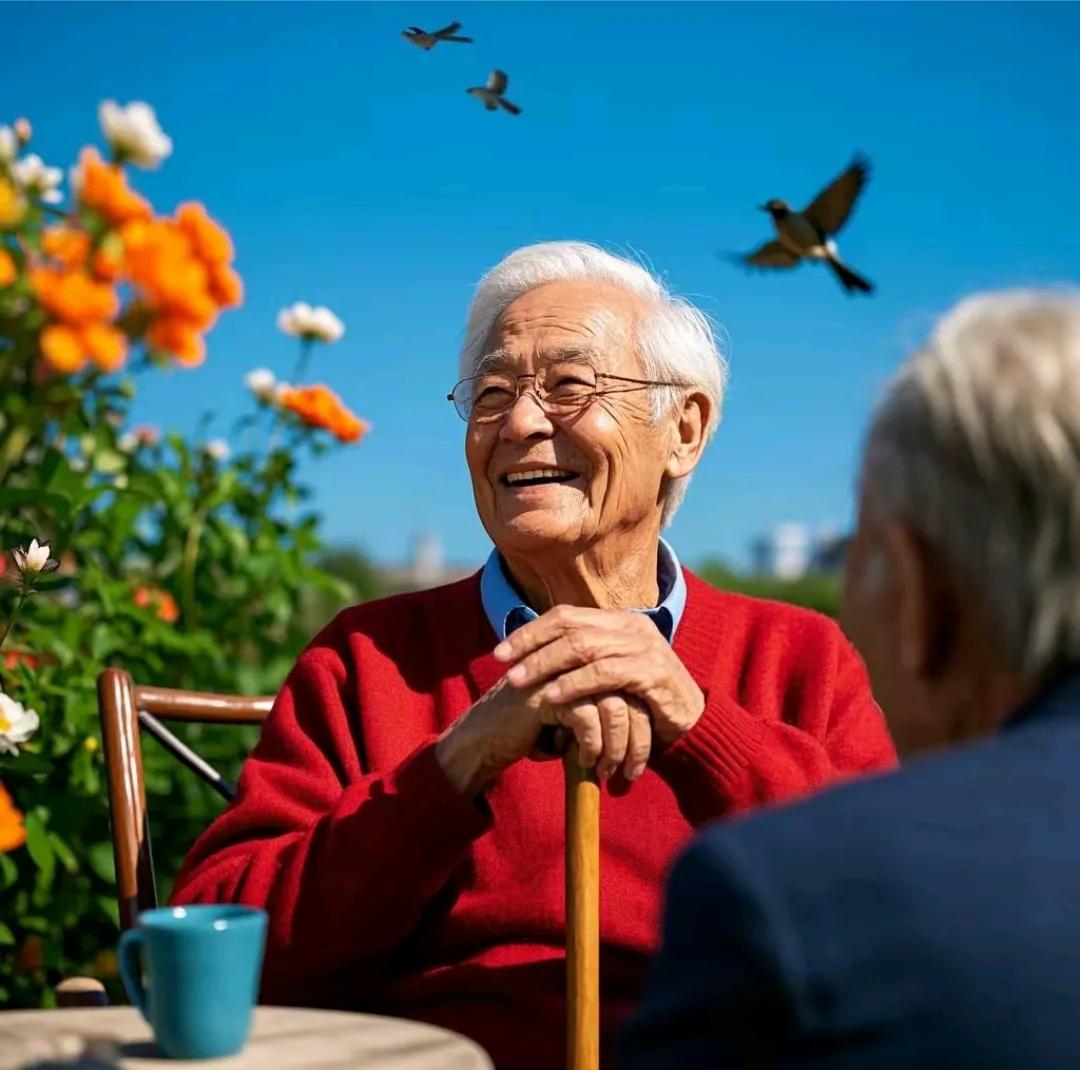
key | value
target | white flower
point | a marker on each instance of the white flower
(217, 448)
(134, 133)
(9, 144)
(31, 173)
(17, 724)
(261, 382)
(34, 558)
(313, 324)
(279, 390)
(128, 442)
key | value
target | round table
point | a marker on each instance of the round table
(101, 1038)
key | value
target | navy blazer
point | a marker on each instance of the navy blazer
(920, 919)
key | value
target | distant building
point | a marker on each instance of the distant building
(790, 550)
(427, 567)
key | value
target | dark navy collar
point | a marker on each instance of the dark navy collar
(506, 610)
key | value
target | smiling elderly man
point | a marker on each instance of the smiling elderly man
(408, 851)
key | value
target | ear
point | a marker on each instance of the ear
(691, 418)
(924, 600)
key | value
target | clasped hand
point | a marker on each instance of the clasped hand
(607, 676)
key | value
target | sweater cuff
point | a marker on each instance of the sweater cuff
(430, 807)
(714, 756)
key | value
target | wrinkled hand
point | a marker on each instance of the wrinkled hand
(572, 653)
(504, 726)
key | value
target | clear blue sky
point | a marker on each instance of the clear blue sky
(352, 170)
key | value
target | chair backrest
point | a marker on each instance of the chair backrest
(126, 708)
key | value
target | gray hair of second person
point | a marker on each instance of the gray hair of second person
(675, 340)
(976, 446)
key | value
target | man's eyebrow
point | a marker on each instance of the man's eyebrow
(496, 360)
(502, 359)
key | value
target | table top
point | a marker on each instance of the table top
(117, 1038)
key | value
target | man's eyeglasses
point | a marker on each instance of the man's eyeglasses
(559, 389)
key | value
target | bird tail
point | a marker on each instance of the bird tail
(849, 279)
(513, 109)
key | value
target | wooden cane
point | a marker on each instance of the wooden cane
(582, 915)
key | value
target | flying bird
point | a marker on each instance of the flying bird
(807, 235)
(427, 41)
(492, 93)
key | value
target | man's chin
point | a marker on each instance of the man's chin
(536, 527)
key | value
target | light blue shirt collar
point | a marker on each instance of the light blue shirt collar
(506, 609)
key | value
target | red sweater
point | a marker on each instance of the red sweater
(390, 892)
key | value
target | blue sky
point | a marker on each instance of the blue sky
(353, 171)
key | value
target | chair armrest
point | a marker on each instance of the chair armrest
(81, 992)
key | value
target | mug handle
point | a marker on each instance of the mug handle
(130, 964)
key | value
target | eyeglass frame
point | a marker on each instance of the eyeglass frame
(540, 399)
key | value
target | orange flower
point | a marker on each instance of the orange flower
(73, 296)
(14, 658)
(104, 345)
(210, 241)
(12, 833)
(160, 261)
(226, 287)
(163, 603)
(319, 406)
(62, 348)
(178, 336)
(103, 188)
(8, 271)
(66, 245)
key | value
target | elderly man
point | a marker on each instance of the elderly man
(930, 918)
(408, 852)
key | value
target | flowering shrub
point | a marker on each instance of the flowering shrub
(189, 564)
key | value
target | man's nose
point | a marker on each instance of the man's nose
(525, 418)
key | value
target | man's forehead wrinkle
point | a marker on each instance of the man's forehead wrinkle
(504, 359)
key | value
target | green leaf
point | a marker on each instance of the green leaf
(6, 935)
(57, 504)
(64, 853)
(9, 872)
(100, 857)
(109, 908)
(37, 843)
(24, 764)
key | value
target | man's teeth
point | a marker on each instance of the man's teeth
(538, 474)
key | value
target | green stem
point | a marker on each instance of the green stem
(15, 613)
(187, 578)
(307, 347)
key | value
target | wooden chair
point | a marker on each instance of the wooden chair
(125, 709)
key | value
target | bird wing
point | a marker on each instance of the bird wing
(772, 254)
(830, 209)
(447, 30)
(497, 81)
(415, 31)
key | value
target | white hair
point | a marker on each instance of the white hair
(976, 445)
(675, 341)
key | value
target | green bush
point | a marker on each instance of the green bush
(181, 562)
(819, 591)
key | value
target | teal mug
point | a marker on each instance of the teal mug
(201, 965)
